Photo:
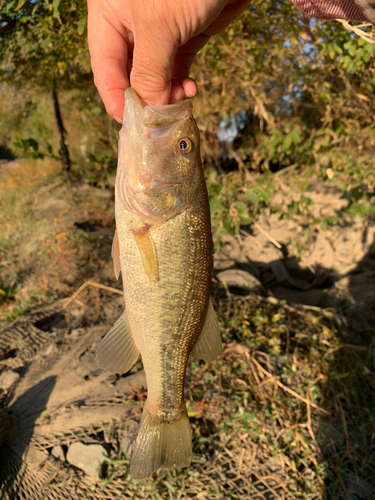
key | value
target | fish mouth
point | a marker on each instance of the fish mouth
(144, 115)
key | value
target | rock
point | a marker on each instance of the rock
(7, 379)
(275, 464)
(58, 452)
(88, 457)
(236, 278)
(129, 437)
(14, 363)
(77, 332)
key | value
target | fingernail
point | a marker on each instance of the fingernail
(117, 119)
(190, 93)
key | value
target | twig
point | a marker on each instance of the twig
(91, 283)
(252, 458)
(238, 159)
(240, 461)
(357, 31)
(306, 448)
(286, 169)
(281, 431)
(218, 388)
(342, 414)
(344, 346)
(286, 389)
(267, 235)
(309, 426)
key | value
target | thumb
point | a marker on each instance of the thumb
(153, 57)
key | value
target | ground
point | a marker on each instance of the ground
(287, 411)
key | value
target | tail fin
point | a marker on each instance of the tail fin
(161, 444)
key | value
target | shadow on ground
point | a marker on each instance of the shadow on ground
(18, 428)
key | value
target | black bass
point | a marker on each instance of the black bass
(163, 248)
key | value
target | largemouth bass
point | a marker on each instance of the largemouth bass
(163, 248)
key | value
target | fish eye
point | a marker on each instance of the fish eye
(184, 145)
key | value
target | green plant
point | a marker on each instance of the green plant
(29, 147)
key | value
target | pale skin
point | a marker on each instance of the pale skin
(151, 45)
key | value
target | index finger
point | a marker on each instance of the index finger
(109, 55)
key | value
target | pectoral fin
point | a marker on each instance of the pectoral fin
(146, 247)
(117, 352)
(116, 256)
(208, 346)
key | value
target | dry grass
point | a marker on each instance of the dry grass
(44, 254)
(286, 412)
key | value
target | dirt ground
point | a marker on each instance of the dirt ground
(286, 412)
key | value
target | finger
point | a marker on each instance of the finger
(183, 88)
(226, 16)
(108, 50)
(153, 56)
(186, 55)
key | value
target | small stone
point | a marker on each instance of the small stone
(7, 379)
(76, 332)
(58, 452)
(13, 363)
(88, 457)
(275, 464)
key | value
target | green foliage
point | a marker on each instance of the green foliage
(6, 290)
(29, 147)
(306, 89)
(233, 205)
(43, 42)
(37, 297)
(309, 87)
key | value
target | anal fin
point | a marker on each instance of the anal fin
(116, 255)
(117, 352)
(208, 346)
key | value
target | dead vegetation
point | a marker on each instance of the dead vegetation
(284, 413)
(287, 411)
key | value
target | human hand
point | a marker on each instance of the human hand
(151, 45)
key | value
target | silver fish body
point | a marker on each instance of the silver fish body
(163, 248)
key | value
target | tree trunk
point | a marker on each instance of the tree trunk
(64, 151)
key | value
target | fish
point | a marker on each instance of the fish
(163, 249)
